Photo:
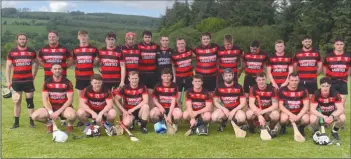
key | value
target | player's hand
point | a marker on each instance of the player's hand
(55, 115)
(174, 80)
(130, 111)
(293, 118)
(257, 112)
(275, 85)
(124, 113)
(162, 110)
(193, 114)
(329, 120)
(94, 116)
(225, 111)
(261, 120)
(121, 84)
(284, 84)
(169, 119)
(231, 115)
(99, 117)
(9, 84)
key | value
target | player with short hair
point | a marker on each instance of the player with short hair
(163, 56)
(254, 62)
(96, 103)
(269, 104)
(198, 102)
(53, 53)
(135, 102)
(229, 56)
(337, 66)
(112, 66)
(21, 60)
(279, 66)
(229, 99)
(206, 61)
(165, 99)
(330, 103)
(182, 67)
(294, 104)
(57, 96)
(308, 64)
(130, 54)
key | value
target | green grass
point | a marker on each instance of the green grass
(28, 20)
(25, 142)
(24, 28)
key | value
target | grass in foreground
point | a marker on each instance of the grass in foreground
(25, 142)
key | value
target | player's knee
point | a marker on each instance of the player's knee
(313, 119)
(71, 116)
(207, 116)
(305, 119)
(145, 107)
(177, 115)
(284, 118)
(249, 114)
(185, 115)
(274, 115)
(30, 104)
(111, 114)
(342, 118)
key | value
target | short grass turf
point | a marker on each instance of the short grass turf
(26, 142)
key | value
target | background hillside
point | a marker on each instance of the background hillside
(267, 21)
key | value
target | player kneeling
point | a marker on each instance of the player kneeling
(330, 103)
(57, 98)
(230, 100)
(263, 105)
(294, 104)
(198, 106)
(165, 95)
(96, 103)
(135, 102)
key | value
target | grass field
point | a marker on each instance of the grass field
(25, 142)
(24, 28)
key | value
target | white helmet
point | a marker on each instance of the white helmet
(59, 136)
(93, 132)
(320, 139)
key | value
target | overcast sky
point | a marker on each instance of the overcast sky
(147, 8)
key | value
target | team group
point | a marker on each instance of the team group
(146, 82)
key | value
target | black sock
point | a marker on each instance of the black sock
(16, 120)
(224, 122)
(31, 120)
(336, 129)
(142, 123)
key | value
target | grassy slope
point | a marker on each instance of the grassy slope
(26, 142)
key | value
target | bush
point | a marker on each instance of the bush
(211, 24)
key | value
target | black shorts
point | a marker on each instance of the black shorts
(340, 86)
(210, 83)
(249, 81)
(81, 84)
(25, 87)
(184, 82)
(136, 114)
(111, 85)
(220, 78)
(311, 86)
(148, 79)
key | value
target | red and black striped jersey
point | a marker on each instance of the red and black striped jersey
(327, 104)
(206, 60)
(22, 61)
(337, 66)
(164, 58)
(96, 100)
(230, 94)
(279, 67)
(110, 64)
(229, 58)
(165, 94)
(255, 62)
(147, 62)
(57, 91)
(198, 99)
(183, 63)
(307, 64)
(58, 54)
(84, 57)
(293, 99)
(265, 95)
(131, 96)
(131, 57)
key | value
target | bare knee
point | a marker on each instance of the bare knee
(177, 114)
(274, 115)
(305, 119)
(206, 117)
(283, 118)
(240, 117)
(249, 114)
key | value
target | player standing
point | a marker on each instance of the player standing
(22, 59)
(163, 56)
(130, 54)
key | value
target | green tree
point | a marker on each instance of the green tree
(211, 24)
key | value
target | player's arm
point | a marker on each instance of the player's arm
(217, 103)
(117, 100)
(8, 72)
(305, 108)
(46, 103)
(123, 72)
(242, 67)
(313, 108)
(96, 61)
(68, 102)
(291, 70)
(143, 102)
(69, 62)
(241, 105)
(339, 107)
(173, 104)
(174, 72)
(156, 102)
(189, 107)
(40, 61)
(35, 67)
(284, 109)
(108, 106)
(269, 74)
(274, 106)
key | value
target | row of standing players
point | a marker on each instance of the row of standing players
(148, 58)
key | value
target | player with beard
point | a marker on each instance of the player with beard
(229, 100)
(279, 66)
(57, 96)
(22, 59)
(308, 64)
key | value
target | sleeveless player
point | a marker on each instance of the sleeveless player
(279, 66)
(21, 60)
(96, 103)
(268, 101)
(229, 56)
(206, 61)
(308, 64)
(330, 103)
(112, 66)
(135, 102)
(52, 53)
(130, 54)
(165, 95)
(337, 66)
(57, 96)
(294, 104)
(229, 100)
